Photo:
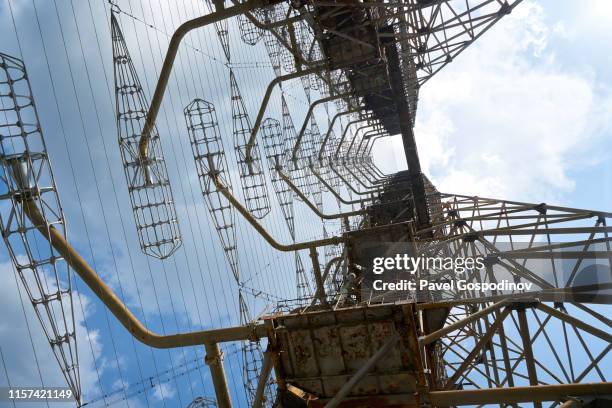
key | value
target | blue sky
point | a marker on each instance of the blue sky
(525, 113)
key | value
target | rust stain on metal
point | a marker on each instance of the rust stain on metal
(323, 349)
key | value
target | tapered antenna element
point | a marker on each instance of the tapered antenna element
(27, 187)
(146, 175)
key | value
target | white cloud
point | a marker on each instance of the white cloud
(507, 119)
(163, 392)
(22, 365)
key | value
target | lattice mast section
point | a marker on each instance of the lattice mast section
(434, 34)
(210, 160)
(304, 291)
(30, 210)
(564, 253)
(273, 49)
(147, 178)
(252, 176)
(326, 156)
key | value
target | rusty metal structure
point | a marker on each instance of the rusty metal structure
(342, 343)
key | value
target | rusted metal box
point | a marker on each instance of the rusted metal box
(320, 351)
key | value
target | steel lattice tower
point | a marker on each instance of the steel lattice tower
(543, 340)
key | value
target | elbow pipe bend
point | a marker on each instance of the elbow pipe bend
(314, 207)
(118, 308)
(262, 231)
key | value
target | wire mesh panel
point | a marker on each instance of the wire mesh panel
(30, 211)
(145, 173)
(210, 160)
(308, 46)
(252, 176)
(273, 14)
(305, 79)
(286, 55)
(274, 148)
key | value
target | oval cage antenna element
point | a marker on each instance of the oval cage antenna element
(27, 186)
(147, 177)
(210, 160)
(252, 176)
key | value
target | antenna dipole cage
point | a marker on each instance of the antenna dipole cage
(146, 175)
(249, 32)
(252, 177)
(203, 402)
(297, 169)
(274, 150)
(210, 161)
(30, 208)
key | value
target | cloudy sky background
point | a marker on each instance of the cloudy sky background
(524, 114)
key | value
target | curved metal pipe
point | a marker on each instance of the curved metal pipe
(331, 127)
(372, 187)
(270, 27)
(314, 207)
(349, 184)
(348, 125)
(367, 137)
(264, 105)
(376, 183)
(166, 69)
(262, 231)
(372, 144)
(310, 110)
(348, 151)
(335, 193)
(118, 308)
(376, 170)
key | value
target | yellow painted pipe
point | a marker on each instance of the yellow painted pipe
(118, 308)
(262, 231)
(314, 207)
